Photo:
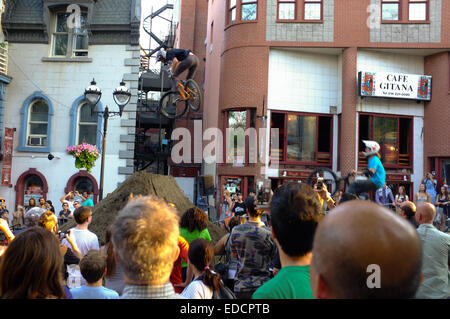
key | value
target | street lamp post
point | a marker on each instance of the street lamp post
(121, 96)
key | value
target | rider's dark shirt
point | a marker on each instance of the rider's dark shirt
(180, 54)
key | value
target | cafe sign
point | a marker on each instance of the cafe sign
(394, 85)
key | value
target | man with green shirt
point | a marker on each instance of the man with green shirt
(295, 213)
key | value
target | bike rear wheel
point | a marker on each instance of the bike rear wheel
(195, 101)
(172, 105)
(329, 176)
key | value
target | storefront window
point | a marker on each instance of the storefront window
(394, 134)
(301, 140)
(241, 143)
(386, 134)
(237, 124)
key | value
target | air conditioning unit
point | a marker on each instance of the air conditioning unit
(37, 141)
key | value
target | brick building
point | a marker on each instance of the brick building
(297, 66)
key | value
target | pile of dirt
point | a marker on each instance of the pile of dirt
(145, 184)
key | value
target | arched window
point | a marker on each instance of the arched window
(36, 112)
(37, 124)
(87, 125)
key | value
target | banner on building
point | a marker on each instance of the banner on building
(394, 85)
(8, 142)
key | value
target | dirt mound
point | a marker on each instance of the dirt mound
(141, 183)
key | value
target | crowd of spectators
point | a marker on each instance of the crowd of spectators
(310, 247)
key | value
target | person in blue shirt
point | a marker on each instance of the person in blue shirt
(93, 267)
(375, 171)
(87, 201)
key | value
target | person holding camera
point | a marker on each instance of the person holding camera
(69, 198)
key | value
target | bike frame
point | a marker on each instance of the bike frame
(185, 93)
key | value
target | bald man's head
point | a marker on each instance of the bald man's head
(358, 234)
(426, 213)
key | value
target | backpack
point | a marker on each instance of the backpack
(223, 293)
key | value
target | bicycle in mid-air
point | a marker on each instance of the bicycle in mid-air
(174, 105)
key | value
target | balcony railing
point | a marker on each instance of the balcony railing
(4, 60)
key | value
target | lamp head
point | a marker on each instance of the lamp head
(93, 93)
(122, 96)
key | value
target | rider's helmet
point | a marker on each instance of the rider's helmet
(373, 146)
(161, 55)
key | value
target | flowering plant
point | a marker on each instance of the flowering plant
(85, 155)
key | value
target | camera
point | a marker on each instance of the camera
(62, 235)
(319, 183)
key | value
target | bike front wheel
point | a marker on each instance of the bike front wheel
(195, 100)
(172, 105)
(329, 177)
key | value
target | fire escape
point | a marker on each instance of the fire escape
(153, 131)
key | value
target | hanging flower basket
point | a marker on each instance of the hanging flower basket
(85, 155)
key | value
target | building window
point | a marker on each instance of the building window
(286, 9)
(313, 10)
(249, 10)
(303, 138)
(36, 113)
(87, 125)
(240, 138)
(390, 10)
(232, 11)
(84, 127)
(394, 134)
(418, 10)
(37, 124)
(69, 42)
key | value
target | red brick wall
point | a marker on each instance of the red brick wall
(348, 127)
(437, 111)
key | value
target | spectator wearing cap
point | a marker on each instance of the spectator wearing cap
(252, 245)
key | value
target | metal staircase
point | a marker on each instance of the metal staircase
(148, 154)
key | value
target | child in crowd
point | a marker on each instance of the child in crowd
(93, 268)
